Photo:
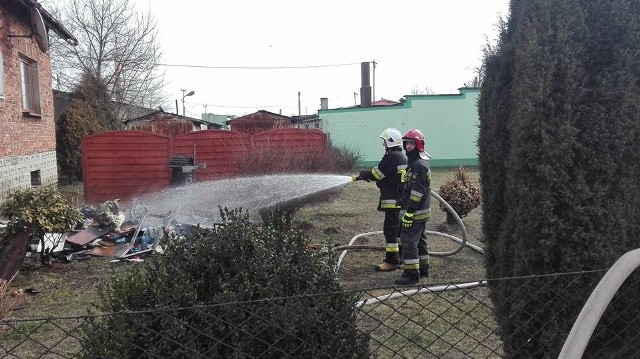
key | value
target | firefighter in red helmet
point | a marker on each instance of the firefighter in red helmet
(415, 210)
(388, 175)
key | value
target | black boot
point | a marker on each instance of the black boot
(424, 270)
(408, 277)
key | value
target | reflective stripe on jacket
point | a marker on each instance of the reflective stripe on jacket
(416, 195)
(388, 175)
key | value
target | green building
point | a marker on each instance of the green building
(449, 123)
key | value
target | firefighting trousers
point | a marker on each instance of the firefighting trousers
(391, 226)
(390, 229)
(414, 246)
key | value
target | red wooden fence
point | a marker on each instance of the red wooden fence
(123, 164)
(220, 150)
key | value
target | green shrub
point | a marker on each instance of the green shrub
(42, 211)
(77, 121)
(238, 290)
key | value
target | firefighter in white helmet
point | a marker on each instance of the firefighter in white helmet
(388, 175)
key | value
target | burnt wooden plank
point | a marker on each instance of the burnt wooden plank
(13, 249)
(88, 235)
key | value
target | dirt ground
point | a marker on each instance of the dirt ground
(69, 288)
(353, 212)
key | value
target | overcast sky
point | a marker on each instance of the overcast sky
(415, 44)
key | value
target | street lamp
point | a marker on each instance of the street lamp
(190, 93)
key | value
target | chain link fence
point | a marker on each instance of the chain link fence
(436, 321)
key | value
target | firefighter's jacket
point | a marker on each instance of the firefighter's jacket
(416, 194)
(388, 175)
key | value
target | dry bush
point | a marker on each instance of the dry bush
(344, 157)
(461, 193)
(8, 298)
(297, 161)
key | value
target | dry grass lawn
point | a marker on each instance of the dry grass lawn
(71, 288)
(354, 212)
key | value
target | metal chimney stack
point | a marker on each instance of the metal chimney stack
(324, 103)
(365, 89)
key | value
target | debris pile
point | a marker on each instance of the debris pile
(107, 232)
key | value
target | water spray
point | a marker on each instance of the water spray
(199, 203)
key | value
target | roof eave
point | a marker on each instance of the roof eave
(51, 22)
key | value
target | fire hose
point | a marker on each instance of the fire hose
(462, 241)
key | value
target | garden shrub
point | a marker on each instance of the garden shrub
(461, 193)
(273, 161)
(344, 157)
(237, 290)
(298, 160)
(41, 211)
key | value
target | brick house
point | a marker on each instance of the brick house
(27, 125)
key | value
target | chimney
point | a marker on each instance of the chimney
(365, 89)
(324, 103)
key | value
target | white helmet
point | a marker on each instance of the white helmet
(392, 137)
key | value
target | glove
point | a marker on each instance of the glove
(359, 177)
(407, 220)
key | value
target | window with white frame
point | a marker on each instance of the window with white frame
(30, 86)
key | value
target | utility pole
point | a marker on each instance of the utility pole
(355, 101)
(185, 95)
(374, 81)
(299, 110)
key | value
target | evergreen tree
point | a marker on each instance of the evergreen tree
(94, 91)
(559, 125)
(77, 121)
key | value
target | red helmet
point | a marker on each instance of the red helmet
(417, 137)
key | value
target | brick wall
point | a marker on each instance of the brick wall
(24, 139)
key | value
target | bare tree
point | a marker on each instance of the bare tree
(479, 71)
(426, 91)
(117, 45)
(488, 49)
